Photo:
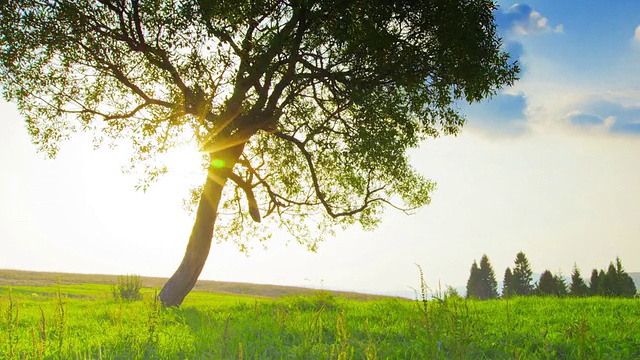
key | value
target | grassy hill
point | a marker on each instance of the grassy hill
(38, 278)
(81, 321)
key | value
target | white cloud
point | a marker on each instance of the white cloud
(636, 35)
(563, 110)
(526, 21)
(535, 23)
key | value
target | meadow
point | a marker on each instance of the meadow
(84, 321)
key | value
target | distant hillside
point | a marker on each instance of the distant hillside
(38, 278)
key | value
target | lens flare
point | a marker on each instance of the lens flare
(217, 163)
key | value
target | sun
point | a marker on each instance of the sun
(185, 165)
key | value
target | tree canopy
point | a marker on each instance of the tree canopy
(550, 284)
(307, 107)
(614, 282)
(482, 282)
(508, 286)
(578, 287)
(522, 276)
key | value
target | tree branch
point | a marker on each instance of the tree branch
(254, 211)
(155, 55)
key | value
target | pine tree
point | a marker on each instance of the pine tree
(610, 281)
(507, 284)
(594, 282)
(473, 282)
(561, 285)
(625, 285)
(522, 275)
(488, 283)
(578, 286)
(603, 283)
(546, 284)
(614, 282)
(630, 287)
(550, 284)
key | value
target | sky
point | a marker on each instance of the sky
(548, 167)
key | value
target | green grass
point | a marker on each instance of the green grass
(81, 321)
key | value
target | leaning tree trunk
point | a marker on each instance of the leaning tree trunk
(184, 279)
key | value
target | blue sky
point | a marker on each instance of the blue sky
(548, 167)
(583, 51)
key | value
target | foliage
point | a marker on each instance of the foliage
(614, 282)
(561, 285)
(482, 282)
(473, 283)
(624, 283)
(488, 276)
(324, 97)
(508, 285)
(522, 275)
(578, 286)
(230, 327)
(593, 283)
(546, 284)
(451, 292)
(550, 284)
(128, 288)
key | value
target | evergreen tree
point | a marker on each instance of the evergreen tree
(546, 284)
(630, 289)
(578, 286)
(603, 283)
(488, 284)
(473, 282)
(550, 284)
(594, 282)
(624, 285)
(608, 283)
(507, 284)
(522, 276)
(561, 285)
(614, 282)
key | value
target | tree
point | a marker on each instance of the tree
(604, 283)
(550, 284)
(593, 283)
(303, 110)
(489, 285)
(610, 281)
(473, 283)
(522, 275)
(616, 281)
(625, 286)
(482, 282)
(508, 284)
(561, 285)
(578, 286)
(546, 284)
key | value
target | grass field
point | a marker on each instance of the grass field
(83, 321)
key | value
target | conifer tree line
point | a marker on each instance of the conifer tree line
(482, 284)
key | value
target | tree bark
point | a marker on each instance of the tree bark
(185, 277)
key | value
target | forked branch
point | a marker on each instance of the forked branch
(254, 211)
(368, 199)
